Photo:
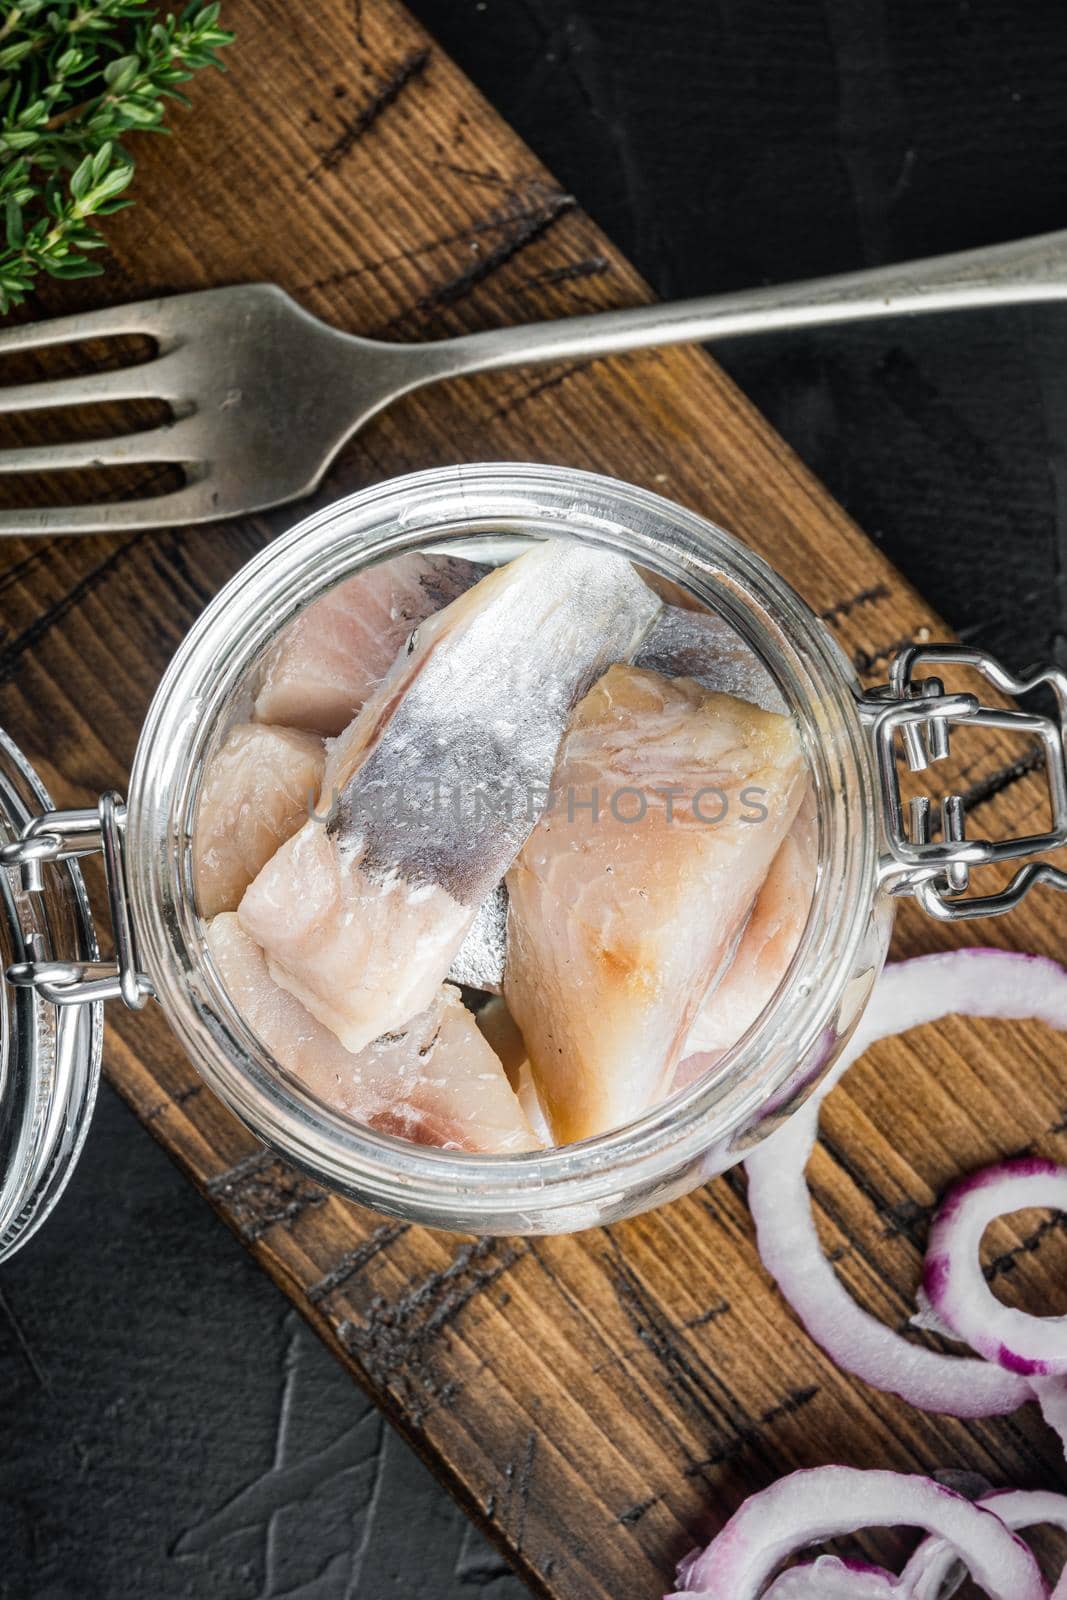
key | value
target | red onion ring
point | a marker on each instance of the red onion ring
(952, 1275)
(934, 1562)
(830, 1578)
(988, 983)
(808, 1507)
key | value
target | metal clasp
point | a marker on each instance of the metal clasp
(61, 836)
(938, 872)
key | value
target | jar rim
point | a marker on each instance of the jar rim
(444, 507)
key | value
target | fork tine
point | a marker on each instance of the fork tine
(147, 380)
(108, 323)
(166, 443)
(195, 502)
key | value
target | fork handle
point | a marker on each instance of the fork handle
(1021, 272)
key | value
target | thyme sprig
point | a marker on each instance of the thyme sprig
(76, 77)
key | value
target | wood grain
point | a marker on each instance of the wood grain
(597, 1402)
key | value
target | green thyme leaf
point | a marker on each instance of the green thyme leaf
(77, 77)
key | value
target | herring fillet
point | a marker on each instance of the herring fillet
(769, 941)
(257, 789)
(683, 643)
(497, 1027)
(331, 658)
(436, 1081)
(435, 785)
(617, 928)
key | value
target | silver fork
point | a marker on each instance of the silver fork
(263, 395)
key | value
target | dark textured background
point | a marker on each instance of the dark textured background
(170, 1428)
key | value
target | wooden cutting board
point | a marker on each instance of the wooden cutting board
(598, 1403)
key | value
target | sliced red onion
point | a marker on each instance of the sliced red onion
(927, 1320)
(830, 1578)
(988, 983)
(952, 1275)
(933, 1573)
(973, 982)
(789, 1246)
(808, 1507)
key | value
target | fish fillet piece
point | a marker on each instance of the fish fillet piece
(617, 928)
(768, 943)
(501, 1033)
(257, 790)
(436, 784)
(436, 1081)
(692, 1067)
(699, 644)
(331, 658)
(683, 642)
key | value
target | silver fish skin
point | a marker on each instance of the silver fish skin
(462, 739)
(437, 783)
(701, 645)
(479, 961)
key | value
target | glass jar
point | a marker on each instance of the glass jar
(868, 854)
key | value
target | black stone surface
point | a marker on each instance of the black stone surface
(169, 1428)
(172, 1431)
(724, 143)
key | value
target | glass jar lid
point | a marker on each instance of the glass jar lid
(49, 1054)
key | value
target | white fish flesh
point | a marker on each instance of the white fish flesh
(436, 1081)
(501, 1033)
(258, 788)
(670, 802)
(768, 943)
(436, 784)
(331, 658)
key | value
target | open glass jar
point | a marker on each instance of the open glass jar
(867, 854)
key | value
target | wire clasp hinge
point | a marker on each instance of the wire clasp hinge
(62, 836)
(938, 871)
